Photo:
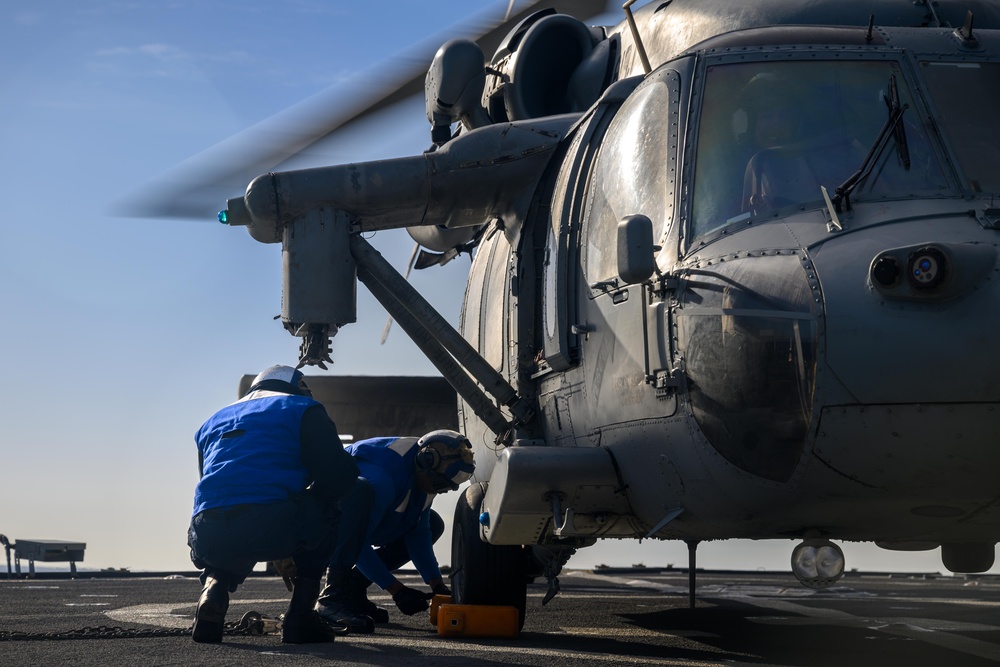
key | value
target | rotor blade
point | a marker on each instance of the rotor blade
(409, 267)
(199, 186)
(428, 259)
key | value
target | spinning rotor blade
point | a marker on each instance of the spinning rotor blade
(198, 187)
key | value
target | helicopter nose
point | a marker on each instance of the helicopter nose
(917, 330)
(934, 272)
(908, 369)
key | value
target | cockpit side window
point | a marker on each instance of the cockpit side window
(771, 133)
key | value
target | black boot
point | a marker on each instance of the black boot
(210, 618)
(302, 625)
(338, 606)
(358, 590)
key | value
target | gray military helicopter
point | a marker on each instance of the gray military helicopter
(735, 275)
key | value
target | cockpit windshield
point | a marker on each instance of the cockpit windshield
(771, 133)
(967, 95)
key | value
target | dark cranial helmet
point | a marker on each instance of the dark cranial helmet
(284, 379)
(446, 456)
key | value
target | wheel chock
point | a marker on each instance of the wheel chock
(436, 602)
(474, 620)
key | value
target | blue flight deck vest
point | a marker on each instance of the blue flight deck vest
(388, 465)
(391, 459)
(251, 453)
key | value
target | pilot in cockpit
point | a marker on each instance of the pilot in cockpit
(770, 110)
(807, 133)
(771, 135)
(786, 166)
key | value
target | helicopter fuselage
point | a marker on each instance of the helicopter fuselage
(790, 370)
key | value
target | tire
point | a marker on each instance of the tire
(968, 556)
(484, 573)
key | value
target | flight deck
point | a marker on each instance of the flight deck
(605, 617)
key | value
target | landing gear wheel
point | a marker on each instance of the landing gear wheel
(484, 573)
(817, 564)
(968, 556)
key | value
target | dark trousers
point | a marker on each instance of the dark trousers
(356, 511)
(226, 543)
(395, 554)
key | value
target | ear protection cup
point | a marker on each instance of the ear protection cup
(427, 459)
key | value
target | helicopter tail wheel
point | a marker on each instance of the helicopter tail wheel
(968, 556)
(817, 563)
(484, 573)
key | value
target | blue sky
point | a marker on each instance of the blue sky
(120, 336)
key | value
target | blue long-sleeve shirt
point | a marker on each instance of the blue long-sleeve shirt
(399, 509)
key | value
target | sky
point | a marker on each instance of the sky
(122, 335)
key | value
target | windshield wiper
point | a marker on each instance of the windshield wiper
(893, 124)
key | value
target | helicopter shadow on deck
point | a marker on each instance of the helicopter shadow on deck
(749, 634)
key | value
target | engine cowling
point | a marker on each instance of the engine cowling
(549, 64)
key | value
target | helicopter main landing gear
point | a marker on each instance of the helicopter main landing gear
(817, 563)
(484, 573)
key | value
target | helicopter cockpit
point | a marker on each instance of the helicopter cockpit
(772, 133)
(967, 95)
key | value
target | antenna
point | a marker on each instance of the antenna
(635, 35)
(965, 32)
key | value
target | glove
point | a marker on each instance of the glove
(441, 589)
(410, 601)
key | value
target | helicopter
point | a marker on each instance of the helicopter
(734, 275)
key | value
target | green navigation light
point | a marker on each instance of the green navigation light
(224, 217)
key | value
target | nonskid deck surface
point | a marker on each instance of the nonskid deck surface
(633, 617)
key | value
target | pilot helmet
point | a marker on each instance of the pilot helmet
(284, 379)
(446, 457)
(770, 109)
